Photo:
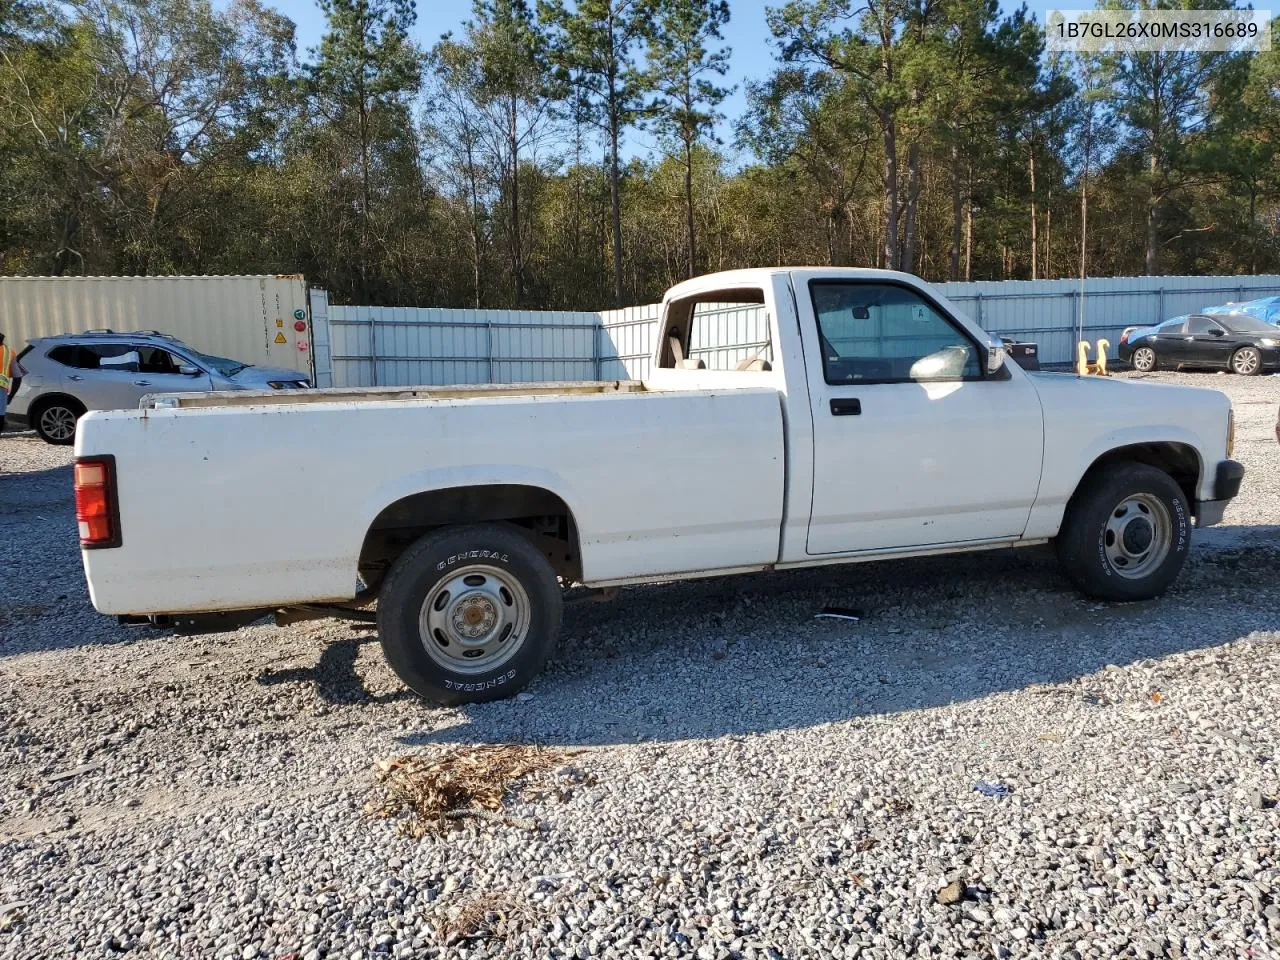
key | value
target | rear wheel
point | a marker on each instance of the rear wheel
(1126, 533)
(469, 614)
(1144, 359)
(55, 421)
(1246, 361)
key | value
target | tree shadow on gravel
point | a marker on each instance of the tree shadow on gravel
(746, 655)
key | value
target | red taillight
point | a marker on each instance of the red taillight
(1124, 337)
(97, 513)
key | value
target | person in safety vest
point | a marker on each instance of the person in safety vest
(10, 371)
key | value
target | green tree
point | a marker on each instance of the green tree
(364, 73)
(1163, 100)
(454, 133)
(595, 45)
(515, 92)
(889, 54)
(132, 108)
(684, 62)
(810, 126)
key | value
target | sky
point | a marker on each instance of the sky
(747, 35)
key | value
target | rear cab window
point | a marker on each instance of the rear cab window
(725, 330)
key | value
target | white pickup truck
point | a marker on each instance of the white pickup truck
(863, 418)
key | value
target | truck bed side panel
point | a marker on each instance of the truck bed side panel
(239, 507)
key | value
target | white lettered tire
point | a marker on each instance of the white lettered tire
(469, 614)
(1126, 533)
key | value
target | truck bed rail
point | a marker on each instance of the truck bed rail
(153, 401)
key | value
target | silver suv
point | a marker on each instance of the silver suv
(103, 370)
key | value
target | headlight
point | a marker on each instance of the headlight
(1268, 342)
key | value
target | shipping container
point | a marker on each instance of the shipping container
(252, 319)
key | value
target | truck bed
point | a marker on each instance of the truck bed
(236, 501)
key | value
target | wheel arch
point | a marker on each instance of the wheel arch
(539, 513)
(48, 399)
(1178, 459)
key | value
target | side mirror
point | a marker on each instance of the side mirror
(1216, 332)
(995, 357)
(862, 313)
(187, 370)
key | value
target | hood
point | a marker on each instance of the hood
(252, 377)
(1069, 389)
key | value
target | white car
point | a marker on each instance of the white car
(67, 375)
(867, 420)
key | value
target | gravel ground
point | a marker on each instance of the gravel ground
(753, 782)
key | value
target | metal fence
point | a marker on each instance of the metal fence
(405, 346)
(1048, 312)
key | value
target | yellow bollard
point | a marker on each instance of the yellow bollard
(1082, 358)
(1102, 357)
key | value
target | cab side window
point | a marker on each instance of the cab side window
(155, 360)
(886, 333)
(1200, 325)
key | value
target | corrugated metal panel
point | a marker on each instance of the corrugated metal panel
(321, 352)
(627, 341)
(1048, 311)
(238, 317)
(411, 346)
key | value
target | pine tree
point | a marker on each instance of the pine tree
(365, 70)
(515, 90)
(684, 62)
(595, 46)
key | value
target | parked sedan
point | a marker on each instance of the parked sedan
(1233, 341)
(71, 374)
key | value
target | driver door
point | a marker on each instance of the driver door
(914, 444)
(160, 371)
(1205, 342)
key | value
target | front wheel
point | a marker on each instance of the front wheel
(1125, 534)
(1144, 360)
(469, 614)
(1246, 361)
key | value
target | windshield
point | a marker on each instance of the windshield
(1242, 323)
(227, 368)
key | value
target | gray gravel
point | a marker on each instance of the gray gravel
(760, 783)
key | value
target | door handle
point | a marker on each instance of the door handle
(77, 379)
(851, 407)
(142, 383)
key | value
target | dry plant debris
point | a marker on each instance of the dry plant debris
(485, 917)
(430, 793)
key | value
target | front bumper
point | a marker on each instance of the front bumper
(1226, 485)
